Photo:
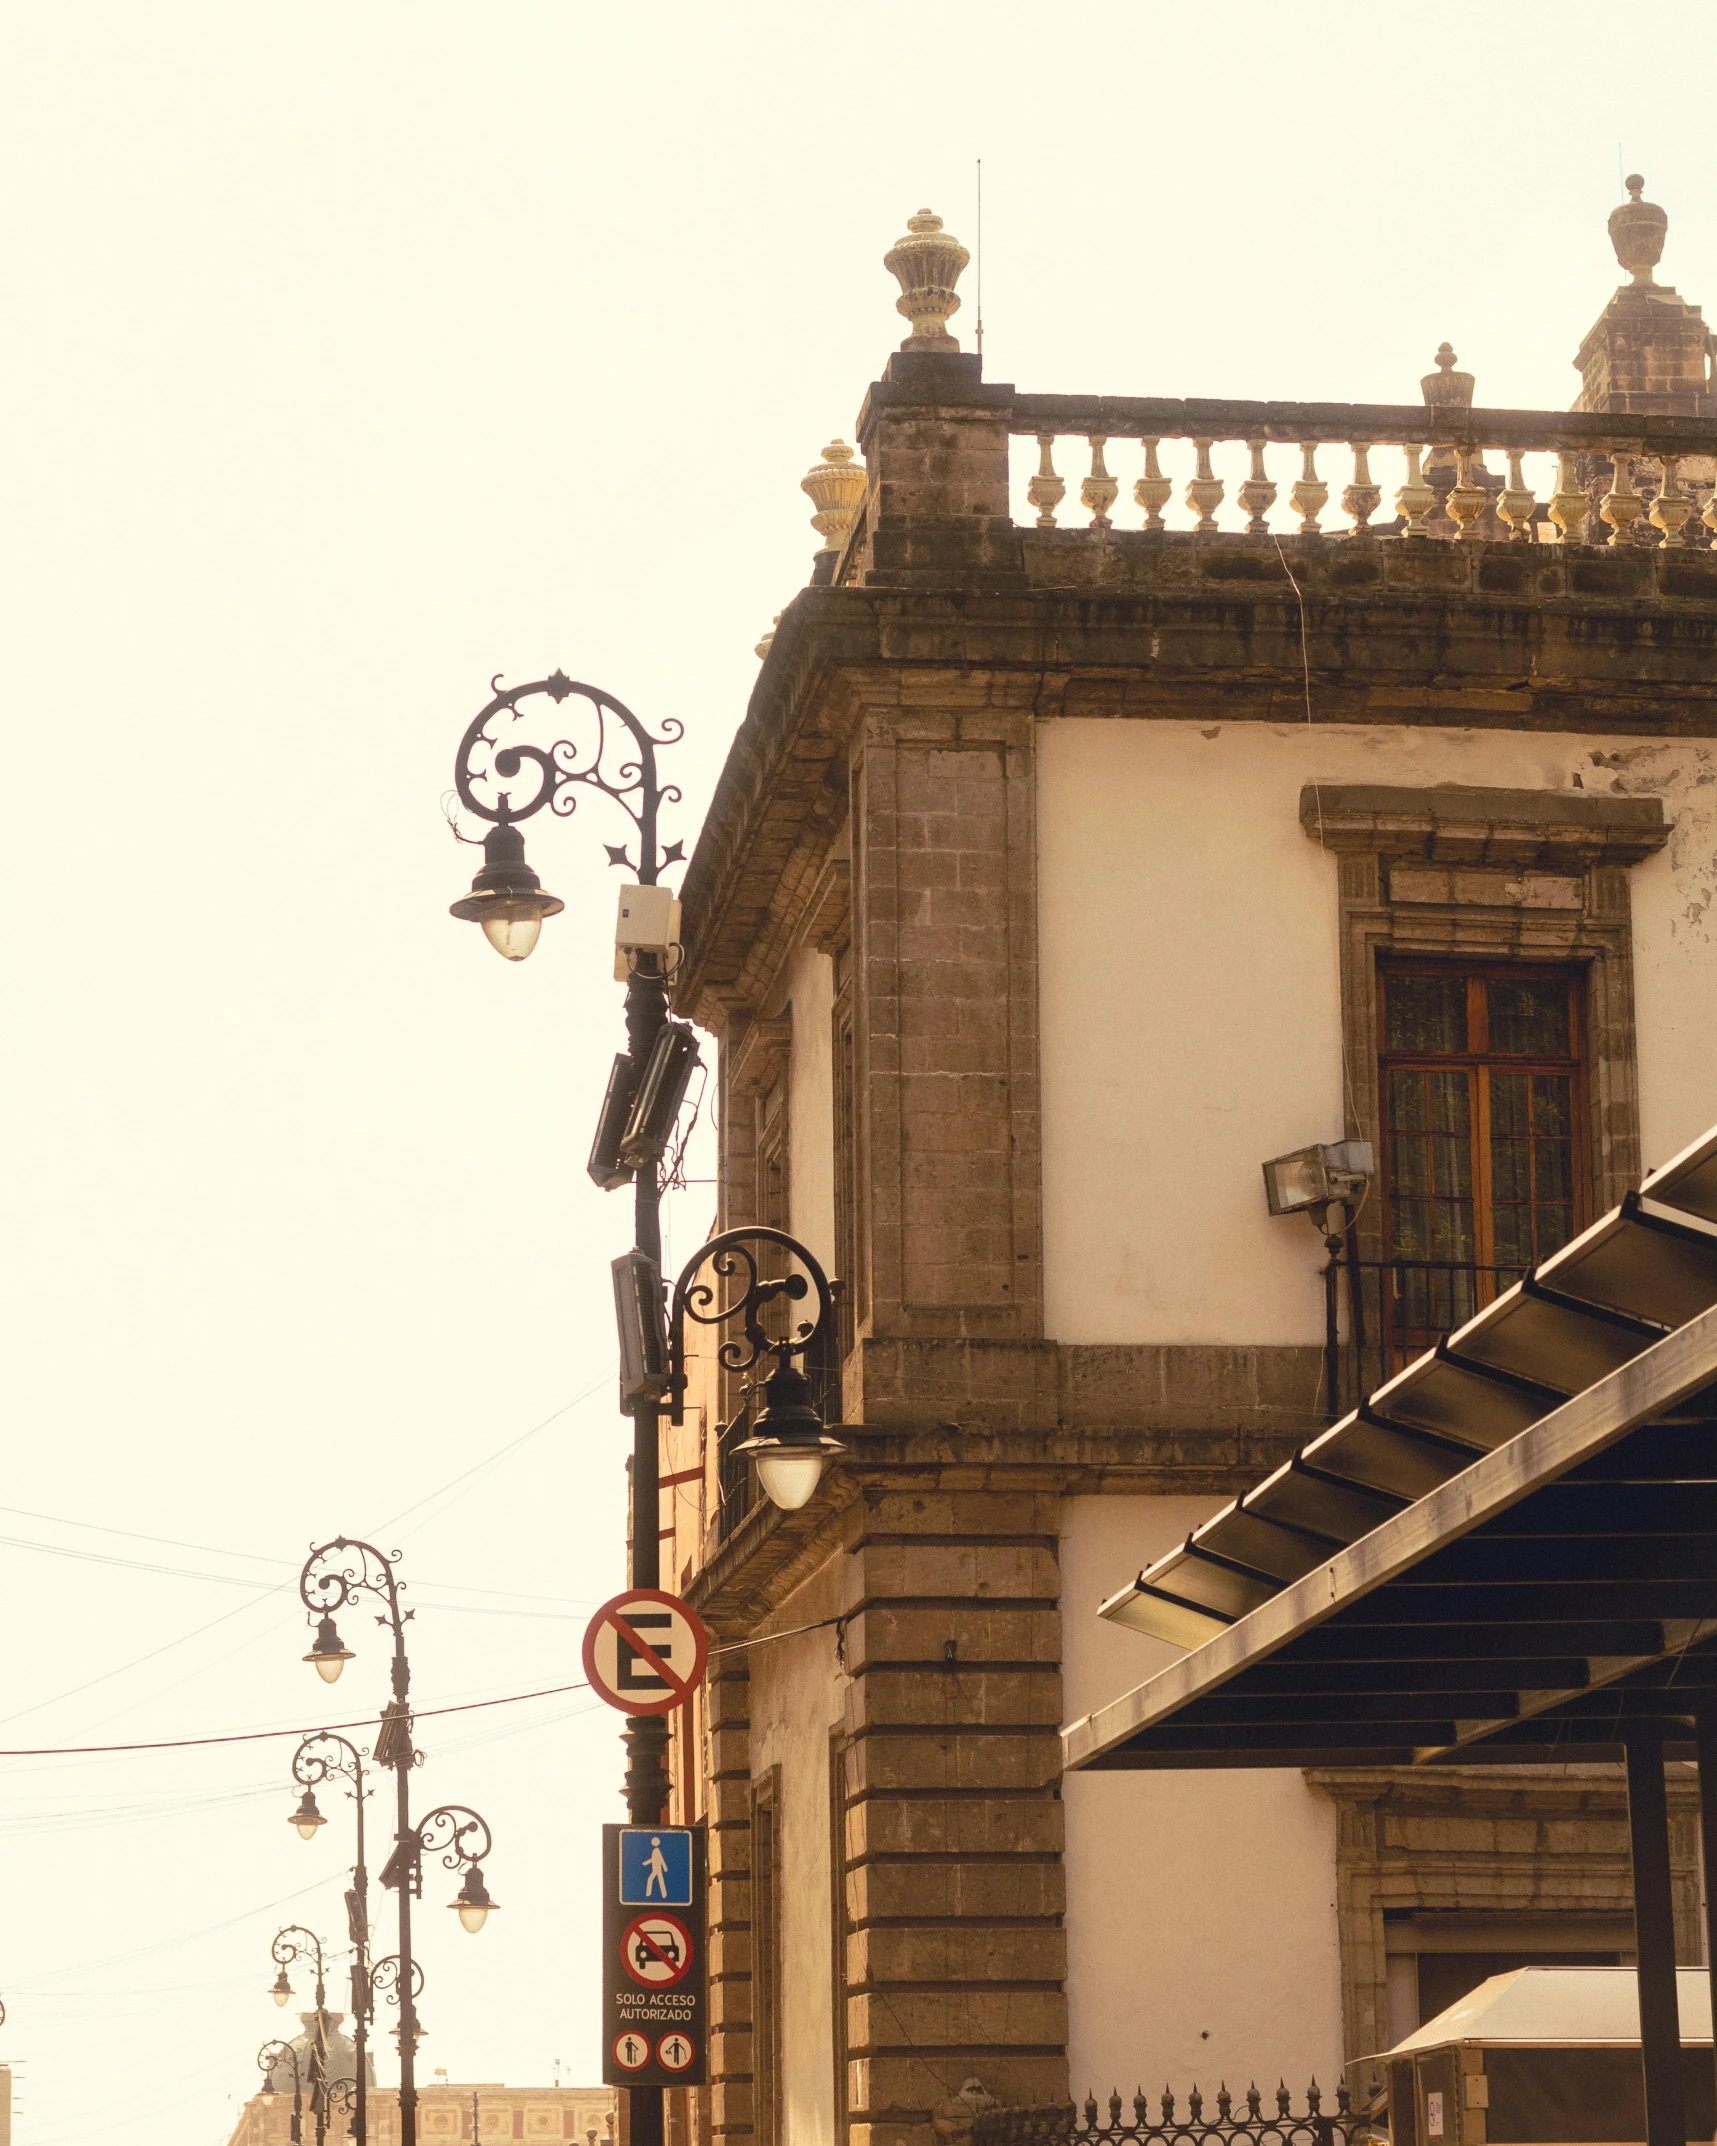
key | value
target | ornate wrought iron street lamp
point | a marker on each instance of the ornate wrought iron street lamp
(789, 1443)
(276, 2056)
(503, 779)
(334, 1575)
(297, 1943)
(322, 1757)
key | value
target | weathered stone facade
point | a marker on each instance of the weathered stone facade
(881, 810)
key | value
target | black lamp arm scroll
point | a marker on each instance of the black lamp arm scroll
(732, 1259)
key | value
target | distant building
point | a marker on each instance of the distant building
(582, 2113)
(1070, 864)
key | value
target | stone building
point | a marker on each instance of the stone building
(1065, 870)
(445, 2111)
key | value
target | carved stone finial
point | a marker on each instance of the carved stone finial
(835, 487)
(1446, 389)
(763, 648)
(926, 263)
(1636, 231)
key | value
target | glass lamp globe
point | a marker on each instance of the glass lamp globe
(329, 1656)
(281, 1990)
(512, 936)
(473, 1905)
(789, 1474)
(506, 897)
(307, 1818)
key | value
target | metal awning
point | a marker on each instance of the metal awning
(1509, 1552)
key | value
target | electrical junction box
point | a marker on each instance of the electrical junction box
(648, 923)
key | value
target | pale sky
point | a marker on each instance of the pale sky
(353, 355)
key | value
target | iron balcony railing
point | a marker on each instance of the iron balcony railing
(1381, 1313)
(1065, 2125)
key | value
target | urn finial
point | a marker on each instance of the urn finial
(1637, 231)
(927, 263)
(835, 487)
(1446, 389)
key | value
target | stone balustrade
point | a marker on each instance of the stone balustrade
(959, 469)
(966, 482)
(1321, 469)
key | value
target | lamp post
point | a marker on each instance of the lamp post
(297, 1943)
(789, 1442)
(324, 1756)
(272, 2057)
(343, 2101)
(334, 1574)
(508, 901)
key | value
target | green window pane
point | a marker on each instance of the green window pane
(1510, 1105)
(1552, 1104)
(1529, 1019)
(1407, 1111)
(1425, 1013)
(1451, 1103)
(1553, 1170)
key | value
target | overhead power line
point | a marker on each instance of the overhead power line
(259, 1736)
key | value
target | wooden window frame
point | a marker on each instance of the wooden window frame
(1482, 1062)
(849, 1241)
(766, 2012)
(1526, 891)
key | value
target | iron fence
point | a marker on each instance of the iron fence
(1064, 2124)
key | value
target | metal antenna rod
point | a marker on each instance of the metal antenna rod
(980, 257)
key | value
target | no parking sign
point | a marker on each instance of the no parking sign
(645, 1651)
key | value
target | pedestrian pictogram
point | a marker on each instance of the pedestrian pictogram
(656, 1949)
(645, 1651)
(655, 1963)
(655, 1866)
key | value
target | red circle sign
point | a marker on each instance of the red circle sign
(645, 1651)
(631, 2051)
(674, 2052)
(657, 1949)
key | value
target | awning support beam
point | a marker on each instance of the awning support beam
(1654, 1942)
(1705, 1735)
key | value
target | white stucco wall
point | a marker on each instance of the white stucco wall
(811, 1104)
(1190, 995)
(1201, 1907)
(797, 1697)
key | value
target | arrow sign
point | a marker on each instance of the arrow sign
(645, 1651)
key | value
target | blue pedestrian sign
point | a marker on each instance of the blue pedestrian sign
(655, 1866)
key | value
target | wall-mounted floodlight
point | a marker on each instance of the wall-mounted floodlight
(648, 923)
(1313, 1177)
(605, 1167)
(640, 1316)
(661, 1090)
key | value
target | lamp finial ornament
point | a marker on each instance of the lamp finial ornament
(926, 263)
(1637, 231)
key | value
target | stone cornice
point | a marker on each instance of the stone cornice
(1141, 626)
(1457, 824)
(772, 1553)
